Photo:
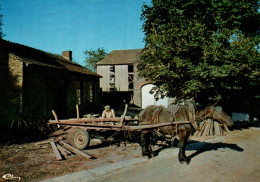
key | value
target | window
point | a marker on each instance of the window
(130, 68)
(131, 77)
(112, 78)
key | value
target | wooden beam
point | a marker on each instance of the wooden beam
(123, 116)
(63, 150)
(55, 116)
(77, 109)
(75, 150)
(56, 151)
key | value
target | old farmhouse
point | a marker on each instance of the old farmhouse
(120, 80)
(34, 82)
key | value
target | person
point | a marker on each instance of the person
(108, 113)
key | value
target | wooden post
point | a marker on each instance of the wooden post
(56, 151)
(55, 115)
(75, 150)
(123, 116)
(77, 109)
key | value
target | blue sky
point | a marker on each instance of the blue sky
(77, 25)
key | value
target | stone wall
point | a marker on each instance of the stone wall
(138, 83)
(11, 81)
(34, 90)
(16, 70)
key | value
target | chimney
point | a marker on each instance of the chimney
(67, 55)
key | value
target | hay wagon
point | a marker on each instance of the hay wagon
(81, 138)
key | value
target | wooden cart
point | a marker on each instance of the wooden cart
(81, 138)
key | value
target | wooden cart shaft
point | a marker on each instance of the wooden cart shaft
(90, 126)
(89, 120)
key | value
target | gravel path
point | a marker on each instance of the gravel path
(235, 157)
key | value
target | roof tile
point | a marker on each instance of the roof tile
(117, 57)
(34, 56)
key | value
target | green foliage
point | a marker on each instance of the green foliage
(94, 56)
(201, 48)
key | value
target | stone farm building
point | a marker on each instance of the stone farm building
(121, 82)
(34, 82)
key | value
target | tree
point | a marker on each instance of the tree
(201, 48)
(94, 56)
(1, 24)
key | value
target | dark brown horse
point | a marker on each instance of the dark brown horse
(157, 114)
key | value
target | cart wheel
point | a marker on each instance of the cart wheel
(81, 139)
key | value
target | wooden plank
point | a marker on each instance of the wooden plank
(104, 71)
(121, 78)
(210, 122)
(196, 133)
(202, 127)
(217, 128)
(42, 143)
(211, 128)
(75, 150)
(63, 150)
(56, 151)
(207, 129)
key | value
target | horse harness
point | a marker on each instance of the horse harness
(157, 111)
(172, 117)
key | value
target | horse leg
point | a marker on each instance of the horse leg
(146, 144)
(149, 146)
(184, 133)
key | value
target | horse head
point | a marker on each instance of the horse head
(219, 115)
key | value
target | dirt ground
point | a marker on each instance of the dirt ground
(35, 162)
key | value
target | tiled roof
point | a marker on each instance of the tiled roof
(37, 57)
(117, 57)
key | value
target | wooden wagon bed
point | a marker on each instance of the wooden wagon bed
(117, 124)
(101, 124)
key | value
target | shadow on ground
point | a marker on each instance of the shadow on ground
(202, 147)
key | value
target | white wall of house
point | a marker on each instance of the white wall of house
(148, 98)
